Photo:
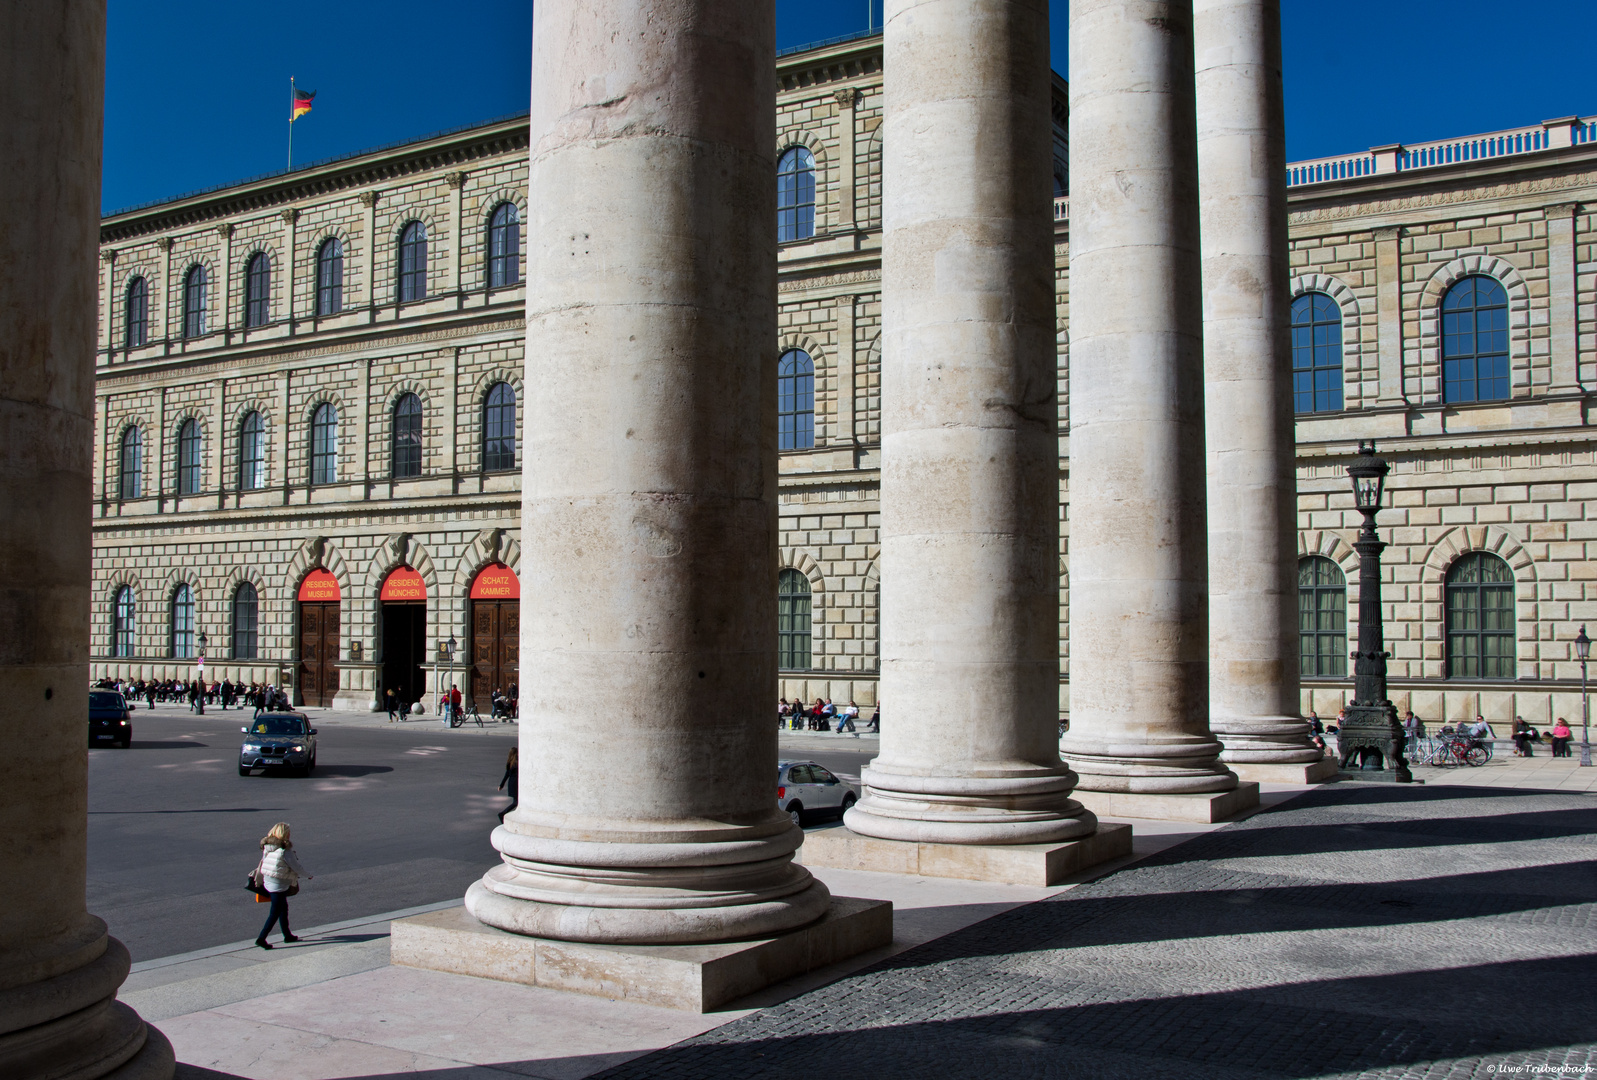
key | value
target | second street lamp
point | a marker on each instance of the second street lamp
(199, 697)
(1370, 742)
(1583, 652)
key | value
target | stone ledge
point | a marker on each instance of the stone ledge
(1206, 809)
(1011, 864)
(694, 978)
(1315, 772)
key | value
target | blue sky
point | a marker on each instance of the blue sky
(197, 92)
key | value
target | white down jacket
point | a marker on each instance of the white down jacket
(280, 867)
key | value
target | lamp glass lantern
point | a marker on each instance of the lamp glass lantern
(449, 648)
(1368, 474)
(1582, 646)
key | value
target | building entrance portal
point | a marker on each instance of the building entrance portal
(495, 633)
(404, 610)
(319, 618)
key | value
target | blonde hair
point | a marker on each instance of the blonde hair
(277, 836)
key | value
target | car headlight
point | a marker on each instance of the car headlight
(250, 748)
(297, 749)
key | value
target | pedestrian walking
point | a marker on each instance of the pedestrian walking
(392, 700)
(279, 873)
(511, 779)
(876, 718)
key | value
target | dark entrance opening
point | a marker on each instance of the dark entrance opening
(404, 651)
(318, 653)
(495, 642)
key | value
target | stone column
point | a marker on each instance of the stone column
(970, 439)
(648, 620)
(1139, 673)
(59, 971)
(1252, 483)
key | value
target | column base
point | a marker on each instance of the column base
(1265, 772)
(156, 1061)
(1207, 809)
(693, 978)
(1011, 864)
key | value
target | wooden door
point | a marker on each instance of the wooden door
(318, 653)
(495, 648)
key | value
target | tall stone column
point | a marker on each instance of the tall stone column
(970, 435)
(1139, 670)
(59, 971)
(1253, 608)
(648, 623)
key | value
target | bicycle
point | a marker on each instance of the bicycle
(465, 714)
(1450, 749)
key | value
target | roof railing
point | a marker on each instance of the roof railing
(1406, 157)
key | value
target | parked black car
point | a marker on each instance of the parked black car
(278, 739)
(110, 719)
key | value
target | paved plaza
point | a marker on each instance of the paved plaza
(1355, 930)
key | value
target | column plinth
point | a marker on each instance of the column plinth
(59, 970)
(1252, 480)
(649, 492)
(1138, 546)
(970, 436)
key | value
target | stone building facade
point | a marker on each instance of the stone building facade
(1381, 244)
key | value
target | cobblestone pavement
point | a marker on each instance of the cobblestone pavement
(1357, 931)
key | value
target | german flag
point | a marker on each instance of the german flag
(302, 103)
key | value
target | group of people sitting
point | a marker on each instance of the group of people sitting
(1478, 732)
(1525, 738)
(262, 697)
(819, 717)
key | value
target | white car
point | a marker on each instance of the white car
(808, 790)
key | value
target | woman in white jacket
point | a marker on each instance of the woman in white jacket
(279, 872)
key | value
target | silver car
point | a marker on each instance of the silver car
(278, 740)
(807, 790)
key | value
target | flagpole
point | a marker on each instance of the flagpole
(291, 123)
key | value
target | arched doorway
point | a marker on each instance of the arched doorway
(495, 632)
(318, 639)
(404, 607)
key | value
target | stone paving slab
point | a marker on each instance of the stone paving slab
(1357, 931)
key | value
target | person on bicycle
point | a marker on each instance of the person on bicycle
(454, 701)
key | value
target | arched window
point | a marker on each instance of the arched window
(330, 277)
(1322, 618)
(182, 641)
(251, 453)
(188, 458)
(194, 302)
(1061, 179)
(795, 195)
(499, 429)
(795, 401)
(246, 622)
(1480, 618)
(1316, 354)
(413, 263)
(123, 622)
(1475, 341)
(136, 314)
(504, 247)
(324, 444)
(130, 469)
(258, 290)
(792, 621)
(407, 437)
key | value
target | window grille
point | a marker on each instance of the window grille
(258, 290)
(499, 429)
(1316, 354)
(182, 643)
(795, 195)
(136, 315)
(188, 458)
(251, 453)
(131, 466)
(1480, 618)
(324, 444)
(413, 263)
(1322, 618)
(330, 277)
(504, 247)
(123, 619)
(246, 622)
(1475, 341)
(407, 437)
(792, 621)
(795, 397)
(194, 302)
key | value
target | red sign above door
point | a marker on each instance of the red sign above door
(496, 581)
(403, 583)
(319, 586)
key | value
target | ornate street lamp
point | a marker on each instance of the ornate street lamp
(199, 698)
(1583, 652)
(1370, 742)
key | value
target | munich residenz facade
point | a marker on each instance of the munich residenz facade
(310, 388)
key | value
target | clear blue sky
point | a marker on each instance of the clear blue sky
(197, 92)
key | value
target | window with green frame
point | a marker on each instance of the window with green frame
(1480, 618)
(1322, 618)
(792, 621)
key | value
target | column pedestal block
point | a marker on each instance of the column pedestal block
(1314, 772)
(1201, 808)
(1011, 864)
(693, 978)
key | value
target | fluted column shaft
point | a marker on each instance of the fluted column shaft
(59, 971)
(970, 436)
(648, 627)
(1253, 617)
(1138, 618)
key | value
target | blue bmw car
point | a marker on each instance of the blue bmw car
(110, 719)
